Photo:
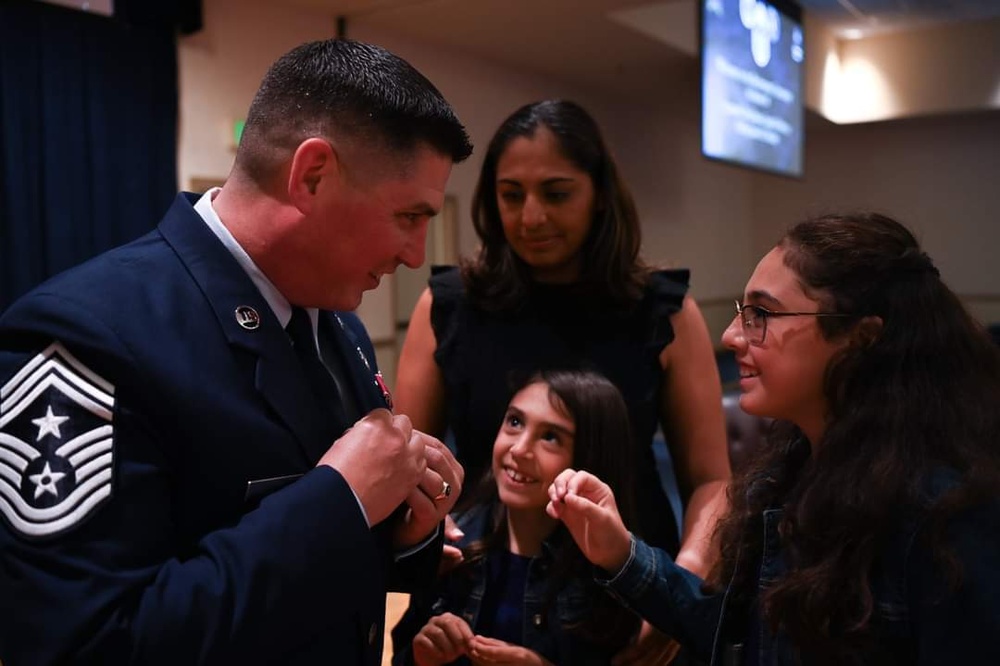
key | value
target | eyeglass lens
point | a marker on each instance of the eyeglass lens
(753, 321)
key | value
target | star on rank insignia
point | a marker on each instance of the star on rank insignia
(56, 444)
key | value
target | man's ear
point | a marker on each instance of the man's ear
(314, 163)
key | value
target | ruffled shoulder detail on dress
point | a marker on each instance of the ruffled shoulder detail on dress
(448, 293)
(664, 295)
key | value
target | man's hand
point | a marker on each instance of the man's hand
(443, 639)
(587, 507)
(382, 458)
(433, 497)
(483, 651)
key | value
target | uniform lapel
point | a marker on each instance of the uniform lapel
(247, 323)
(360, 367)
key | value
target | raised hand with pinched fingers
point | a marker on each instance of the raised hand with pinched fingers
(586, 505)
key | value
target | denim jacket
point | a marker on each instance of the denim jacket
(918, 619)
(460, 592)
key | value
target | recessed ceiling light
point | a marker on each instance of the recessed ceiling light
(852, 33)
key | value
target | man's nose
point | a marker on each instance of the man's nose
(412, 255)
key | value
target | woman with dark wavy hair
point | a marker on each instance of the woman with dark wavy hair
(869, 530)
(558, 283)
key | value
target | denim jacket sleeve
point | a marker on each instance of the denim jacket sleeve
(667, 596)
(958, 625)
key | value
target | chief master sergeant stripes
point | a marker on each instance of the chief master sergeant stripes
(55, 468)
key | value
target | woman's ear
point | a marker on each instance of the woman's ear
(313, 163)
(867, 331)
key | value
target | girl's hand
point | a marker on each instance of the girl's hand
(587, 507)
(451, 556)
(485, 651)
(443, 639)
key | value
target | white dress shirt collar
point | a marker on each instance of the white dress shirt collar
(275, 299)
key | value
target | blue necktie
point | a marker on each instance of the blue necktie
(322, 383)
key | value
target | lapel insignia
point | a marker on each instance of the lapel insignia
(364, 359)
(56, 444)
(379, 382)
(247, 317)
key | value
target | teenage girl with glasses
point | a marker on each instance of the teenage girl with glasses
(869, 530)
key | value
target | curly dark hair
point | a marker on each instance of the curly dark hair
(497, 279)
(918, 394)
(602, 444)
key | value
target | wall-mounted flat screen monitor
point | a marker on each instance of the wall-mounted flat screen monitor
(752, 54)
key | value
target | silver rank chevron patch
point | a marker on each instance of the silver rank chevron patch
(56, 444)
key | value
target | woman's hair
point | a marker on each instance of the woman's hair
(497, 279)
(602, 445)
(913, 395)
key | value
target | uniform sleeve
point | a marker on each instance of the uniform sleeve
(103, 586)
(413, 620)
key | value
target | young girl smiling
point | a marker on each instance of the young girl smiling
(524, 593)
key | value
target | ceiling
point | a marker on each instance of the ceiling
(874, 16)
(610, 45)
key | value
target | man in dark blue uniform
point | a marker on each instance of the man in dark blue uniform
(196, 460)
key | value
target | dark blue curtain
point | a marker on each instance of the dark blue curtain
(88, 133)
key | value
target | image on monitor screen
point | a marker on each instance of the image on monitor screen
(752, 54)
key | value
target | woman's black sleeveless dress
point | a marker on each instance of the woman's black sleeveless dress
(481, 352)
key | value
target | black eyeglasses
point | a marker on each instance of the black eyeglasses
(754, 320)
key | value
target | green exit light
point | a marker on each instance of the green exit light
(238, 131)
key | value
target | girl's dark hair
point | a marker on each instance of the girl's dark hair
(910, 398)
(497, 279)
(602, 445)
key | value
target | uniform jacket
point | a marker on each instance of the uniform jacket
(461, 592)
(158, 383)
(917, 620)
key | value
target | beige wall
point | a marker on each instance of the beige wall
(220, 67)
(938, 174)
(949, 68)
